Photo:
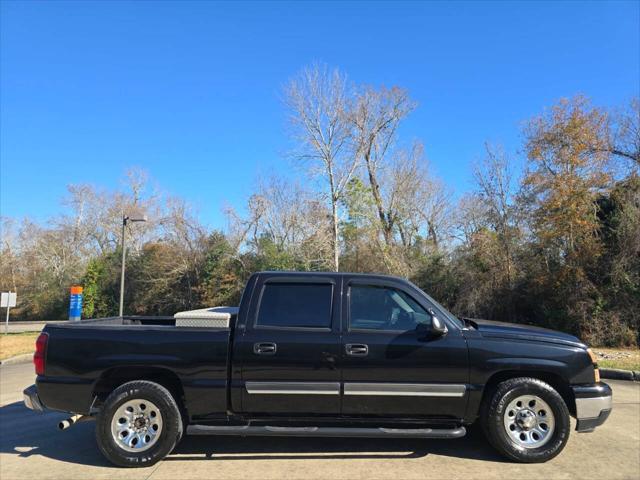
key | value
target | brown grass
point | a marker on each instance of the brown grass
(625, 359)
(13, 344)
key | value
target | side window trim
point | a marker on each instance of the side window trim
(375, 284)
(294, 280)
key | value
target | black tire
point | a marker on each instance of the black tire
(169, 436)
(492, 420)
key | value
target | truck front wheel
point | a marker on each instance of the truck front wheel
(526, 420)
(140, 424)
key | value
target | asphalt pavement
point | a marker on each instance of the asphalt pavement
(31, 447)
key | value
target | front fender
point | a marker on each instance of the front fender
(494, 360)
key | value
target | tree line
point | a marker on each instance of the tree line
(548, 235)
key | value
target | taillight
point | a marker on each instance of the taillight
(40, 356)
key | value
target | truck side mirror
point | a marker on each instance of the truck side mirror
(438, 327)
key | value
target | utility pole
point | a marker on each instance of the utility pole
(125, 219)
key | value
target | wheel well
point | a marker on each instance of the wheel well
(113, 378)
(556, 381)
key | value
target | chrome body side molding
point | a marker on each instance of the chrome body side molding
(406, 389)
(293, 388)
(371, 389)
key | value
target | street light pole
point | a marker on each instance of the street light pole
(125, 219)
(124, 224)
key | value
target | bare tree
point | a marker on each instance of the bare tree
(415, 206)
(376, 117)
(93, 216)
(9, 251)
(317, 100)
(418, 201)
(471, 218)
(294, 219)
(239, 229)
(625, 138)
(494, 179)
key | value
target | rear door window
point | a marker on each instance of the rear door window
(295, 305)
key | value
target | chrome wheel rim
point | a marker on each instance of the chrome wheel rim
(529, 421)
(136, 425)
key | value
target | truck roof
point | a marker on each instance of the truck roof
(287, 273)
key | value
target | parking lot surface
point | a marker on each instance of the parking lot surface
(32, 448)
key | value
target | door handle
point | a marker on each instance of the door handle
(265, 348)
(357, 349)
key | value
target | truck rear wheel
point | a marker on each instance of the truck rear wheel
(526, 420)
(139, 425)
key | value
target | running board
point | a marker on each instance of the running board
(247, 430)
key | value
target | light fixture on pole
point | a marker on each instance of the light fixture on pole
(125, 219)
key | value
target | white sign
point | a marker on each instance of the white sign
(8, 299)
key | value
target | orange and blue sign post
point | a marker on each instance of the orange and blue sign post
(75, 303)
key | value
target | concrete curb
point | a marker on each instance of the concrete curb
(24, 358)
(617, 374)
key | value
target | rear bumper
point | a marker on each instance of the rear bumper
(593, 405)
(32, 400)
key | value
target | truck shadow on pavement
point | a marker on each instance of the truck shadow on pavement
(25, 433)
(473, 446)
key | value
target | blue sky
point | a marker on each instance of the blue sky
(191, 91)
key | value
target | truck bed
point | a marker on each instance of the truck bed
(135, 320)
(195, 358)
(180, 319)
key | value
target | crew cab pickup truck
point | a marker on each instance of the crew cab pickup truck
(319, 354)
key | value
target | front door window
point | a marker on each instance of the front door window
(384, 308)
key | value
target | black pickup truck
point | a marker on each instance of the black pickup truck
(319, 354)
